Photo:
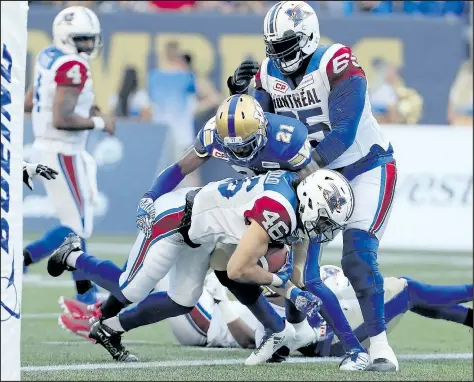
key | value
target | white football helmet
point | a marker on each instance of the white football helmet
(291, 33)
(76, 30)
(333, 277)
(326, 204)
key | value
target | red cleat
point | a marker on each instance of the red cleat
(78, 326)
(77, 309)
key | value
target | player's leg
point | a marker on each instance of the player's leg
(304, 333)
(440, 301)
(373, 192)
(70, 197)
(331, 311)
(188, 270)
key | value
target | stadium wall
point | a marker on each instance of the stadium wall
(13, 32)
(427, 52)
(432, 207)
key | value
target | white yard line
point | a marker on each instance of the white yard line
(232, 361)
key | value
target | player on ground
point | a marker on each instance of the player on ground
(326, 89)
(217, 321)
(252, 213)
(61, 101)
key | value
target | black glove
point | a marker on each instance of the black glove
(30, 170)
(244, 73)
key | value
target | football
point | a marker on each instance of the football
(273, 259)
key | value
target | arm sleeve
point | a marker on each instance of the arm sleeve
(168, 179)
(71, 73)
(348, 87)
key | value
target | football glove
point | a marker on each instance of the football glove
(244, 73)
(146, 216)
(30, 170)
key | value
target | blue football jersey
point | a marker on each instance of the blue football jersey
(287, 146)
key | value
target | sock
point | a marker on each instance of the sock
(427, 295)
(268, 317)
(154, 308)
(379, 338)
(114, 324)
(293, 315)
(103, 272)
(111, 307)
(44, 246)
(83, 286)
(332, 313)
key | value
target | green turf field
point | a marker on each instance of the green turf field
(428, 349)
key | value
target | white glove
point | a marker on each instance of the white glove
(217, 291)
(146, 216)
(30, 170)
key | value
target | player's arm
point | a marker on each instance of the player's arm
(347, 84)
(70, 79)
(166, 182)
(28, 104)
(243, 264)
(172, 176)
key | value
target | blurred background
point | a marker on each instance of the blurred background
(163, 70)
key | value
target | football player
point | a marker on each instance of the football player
(252, 142)
(61, 101)
(326, 89)
(251, 213)
(216, 321)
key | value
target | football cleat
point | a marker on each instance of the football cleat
(355, 361)
(79, 326)
(383, 358)
(270, 344)
(57, 261)
(78, 309)
(111, 341)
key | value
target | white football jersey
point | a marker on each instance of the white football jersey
(309, 101)
(52, 68)
(221, 209)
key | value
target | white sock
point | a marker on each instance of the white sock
(72, 258)
(114, 324)
(301, 325)
(380, 338)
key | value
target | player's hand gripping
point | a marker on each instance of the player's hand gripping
(146, 216)
(30, 170)
(284, 273)
(244, 73)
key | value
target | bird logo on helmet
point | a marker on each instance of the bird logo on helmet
(241, 128)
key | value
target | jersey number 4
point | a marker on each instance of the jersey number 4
(75, 74)
(276, 228)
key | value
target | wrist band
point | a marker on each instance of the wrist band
(99, 123)
(276, 281)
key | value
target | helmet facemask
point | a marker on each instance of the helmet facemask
(287, 53)
(87, 44)
(243, 151)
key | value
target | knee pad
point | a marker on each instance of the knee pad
(359, 262)
(247, 294)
